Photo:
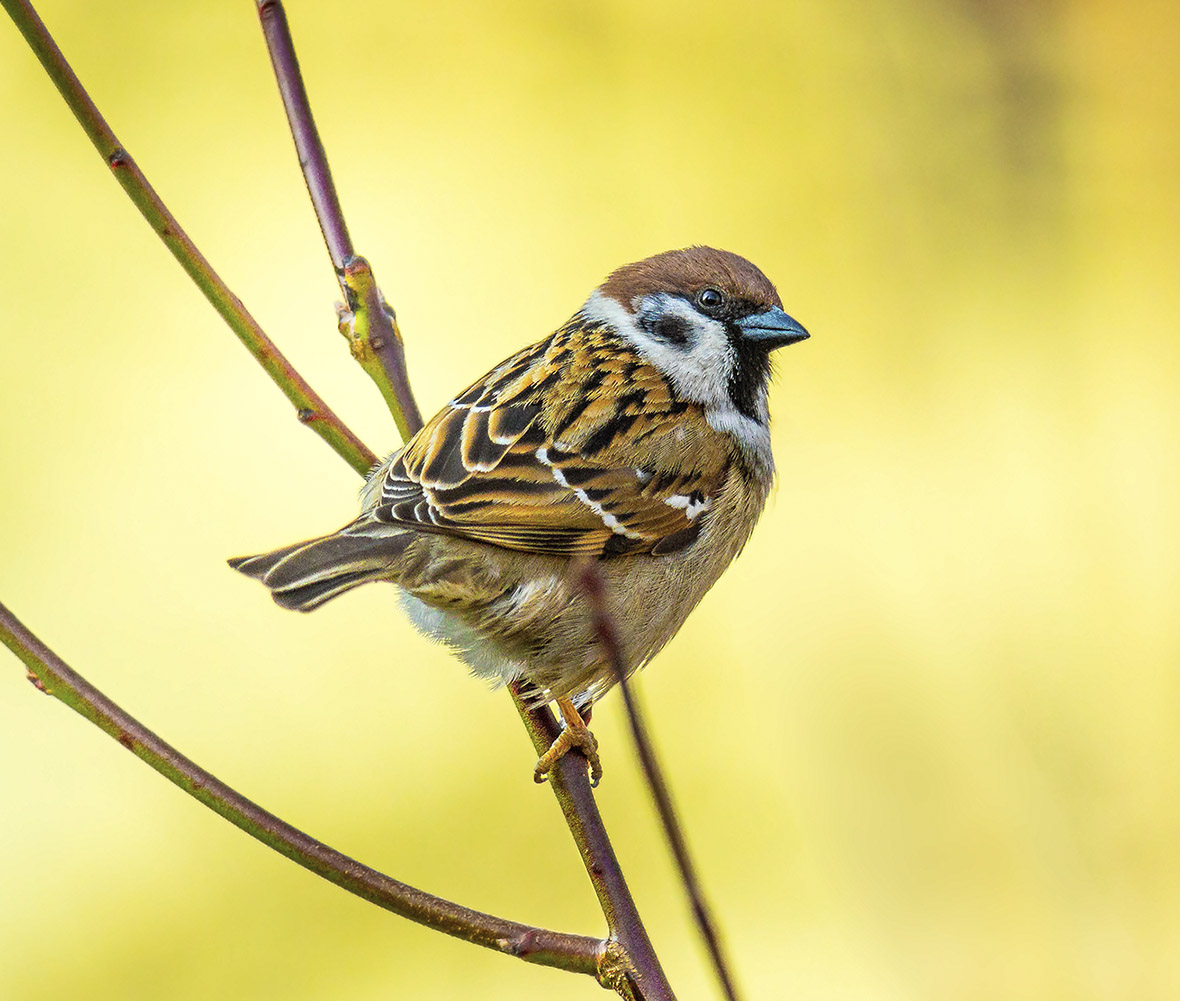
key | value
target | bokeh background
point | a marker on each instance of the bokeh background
(925, 731)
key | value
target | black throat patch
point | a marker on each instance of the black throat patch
(751, 372)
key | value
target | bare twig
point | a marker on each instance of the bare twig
(370, 326)
(626, 962)
(571, 785)
(368, 323)
(576, 953)
(640, 966)
(590, 580)
(311, 410)
(312, 158)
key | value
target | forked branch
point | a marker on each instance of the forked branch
(625, 961)
(309, 407)
(640, 968)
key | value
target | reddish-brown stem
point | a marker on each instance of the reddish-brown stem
(50, 674)
(312, 410)
(590, 580)
(626, 962)
(571, 785)
(375, 339)
(312, 158)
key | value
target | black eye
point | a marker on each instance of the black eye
(710, 299)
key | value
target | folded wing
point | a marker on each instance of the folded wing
(542, 458)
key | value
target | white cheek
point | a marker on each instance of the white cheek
(700, 371)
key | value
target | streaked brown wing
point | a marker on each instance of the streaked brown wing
(529, 458)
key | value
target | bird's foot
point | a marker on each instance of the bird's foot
(575, 734)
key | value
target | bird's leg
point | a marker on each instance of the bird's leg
(575, 733)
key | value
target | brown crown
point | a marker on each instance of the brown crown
(686, 272)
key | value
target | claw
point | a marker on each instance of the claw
(575, 734)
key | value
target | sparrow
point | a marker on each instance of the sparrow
(636, 435)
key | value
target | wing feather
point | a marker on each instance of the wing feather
(573, 446)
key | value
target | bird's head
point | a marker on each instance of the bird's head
(707, 319)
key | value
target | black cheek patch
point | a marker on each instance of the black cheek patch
(666, 327)
(672, 329)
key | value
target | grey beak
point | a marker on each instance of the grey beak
(773, 329)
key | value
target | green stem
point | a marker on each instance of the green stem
(373, 336)
(310, 408)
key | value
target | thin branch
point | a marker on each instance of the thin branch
(576, 953)
(370, 326)
(638, 967)
(626, 962)
(571, 785)
(311, 409)
(368, 322)
(590, 580)
(312, 158)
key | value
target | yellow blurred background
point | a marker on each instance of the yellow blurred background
(925, 733)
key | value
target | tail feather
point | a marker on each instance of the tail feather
(307, 574)
(257, 566)
(306, 597)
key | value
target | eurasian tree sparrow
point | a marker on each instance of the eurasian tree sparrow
(636, 434)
